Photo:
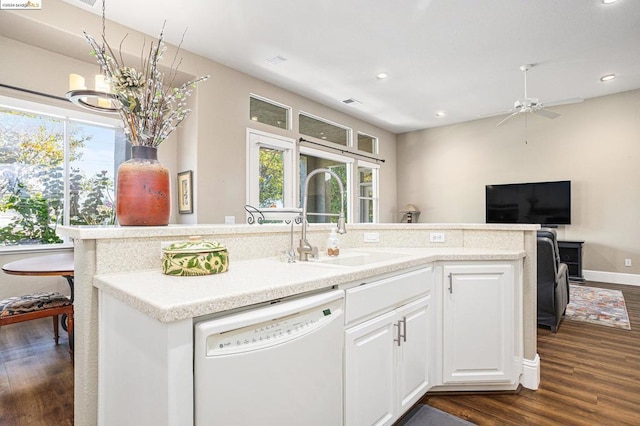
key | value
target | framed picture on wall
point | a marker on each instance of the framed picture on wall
(185, 192)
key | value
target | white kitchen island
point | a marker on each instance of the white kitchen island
(124, 263)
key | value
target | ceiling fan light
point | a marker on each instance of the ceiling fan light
(608, 77)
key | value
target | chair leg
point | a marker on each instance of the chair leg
(56, 335)
(70, 332)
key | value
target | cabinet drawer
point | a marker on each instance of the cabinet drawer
(386, 294)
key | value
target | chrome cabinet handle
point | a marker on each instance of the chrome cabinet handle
(399, 335)
(404, 328)
(450, 283)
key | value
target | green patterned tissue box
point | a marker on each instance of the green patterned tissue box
(195, 257)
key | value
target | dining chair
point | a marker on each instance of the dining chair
(39, 305)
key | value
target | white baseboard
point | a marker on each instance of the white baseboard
(612, 277)
(531, 373)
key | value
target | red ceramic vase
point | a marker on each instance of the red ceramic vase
(143, 196)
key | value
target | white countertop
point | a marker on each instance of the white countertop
(170, 298)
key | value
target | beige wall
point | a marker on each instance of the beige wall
(595, 144)
(47, 45)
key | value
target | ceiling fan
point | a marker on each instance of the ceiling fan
(533, 105)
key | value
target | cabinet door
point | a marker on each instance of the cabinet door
(413, 353)
(370, 378)
(478, 322)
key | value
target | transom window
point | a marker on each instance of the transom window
(322, 129)
(269, 112)
(367, 143)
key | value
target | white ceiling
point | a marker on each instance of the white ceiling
(457, 56)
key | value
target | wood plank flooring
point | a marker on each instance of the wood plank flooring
(590, 375)
(36, 376)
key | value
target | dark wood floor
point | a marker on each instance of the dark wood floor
(36, 376)
(590, 375)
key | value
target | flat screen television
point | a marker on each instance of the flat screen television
(544, 203)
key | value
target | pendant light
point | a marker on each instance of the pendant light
(100, 99)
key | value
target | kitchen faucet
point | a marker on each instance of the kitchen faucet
(305, 249)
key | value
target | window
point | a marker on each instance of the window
(323, 196)
(367, 143)
(270, 170)
(325, 130)
(367, 192)
(268, 112)
(56, 167)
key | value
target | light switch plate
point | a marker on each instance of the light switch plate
(371, 237)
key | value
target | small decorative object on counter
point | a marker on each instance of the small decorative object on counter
(333, 244)
(195, 257)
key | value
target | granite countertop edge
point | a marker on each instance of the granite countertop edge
(249, 282)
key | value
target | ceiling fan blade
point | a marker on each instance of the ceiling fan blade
(546, 113)
(508, 117)
(563, 102)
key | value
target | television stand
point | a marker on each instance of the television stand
(571, 254)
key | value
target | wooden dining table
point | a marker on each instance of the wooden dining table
(60, 264)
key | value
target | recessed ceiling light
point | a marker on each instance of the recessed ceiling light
(609, 1)
(607, 77)
(382, 76)
(440, 114)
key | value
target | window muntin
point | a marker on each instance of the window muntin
(323, 129)
(268, 112)
(367, 143)
(42, 156)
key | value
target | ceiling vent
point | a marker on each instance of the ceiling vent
(351, 101)
(275, 60)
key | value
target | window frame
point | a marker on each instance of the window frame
(257, 139)
(375, 169)
(67, 116)
(349, 161)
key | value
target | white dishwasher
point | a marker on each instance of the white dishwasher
(279, 364)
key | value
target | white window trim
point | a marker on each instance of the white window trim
(278, 104)
(349, 130)
(375, 168)
(65, 114)
(257, 139)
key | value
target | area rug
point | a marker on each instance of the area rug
(597, 306)
(425, 415)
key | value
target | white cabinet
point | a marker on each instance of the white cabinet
(387, 362)
(481, 332)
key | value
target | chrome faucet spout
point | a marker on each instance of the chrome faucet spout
(305, 249)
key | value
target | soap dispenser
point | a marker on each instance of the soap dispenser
(333, 244)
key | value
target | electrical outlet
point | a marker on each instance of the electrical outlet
(436, 237)
(229, 220)
(371, 237)
(627, 262)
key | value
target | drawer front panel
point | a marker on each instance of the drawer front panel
(386, 294)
